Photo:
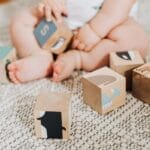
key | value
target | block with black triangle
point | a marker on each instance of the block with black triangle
(124, 62)
(52, 115)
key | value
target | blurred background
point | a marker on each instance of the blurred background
(9, 7)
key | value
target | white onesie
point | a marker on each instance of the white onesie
(81, 11)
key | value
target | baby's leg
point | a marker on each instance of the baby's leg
(21, 31)
(128, 36)
(35, 63)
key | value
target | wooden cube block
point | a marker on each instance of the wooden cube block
(7, 55)
(124, 63)
(52, 115)
(104, 90)
(53, 36)
(141, 83)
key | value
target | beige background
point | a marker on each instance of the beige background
(144, 18)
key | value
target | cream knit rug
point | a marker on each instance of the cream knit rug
(127, 128)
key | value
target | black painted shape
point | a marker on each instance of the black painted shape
(6, 65)
(52, 121)
(124, 55)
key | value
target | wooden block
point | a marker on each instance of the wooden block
(141, 83)
(124, 63)
(52, 115)
(104, 90)
(53, 36)
(7, 55)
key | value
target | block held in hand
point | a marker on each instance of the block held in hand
(53, 36)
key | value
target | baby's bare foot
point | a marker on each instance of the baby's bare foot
(30, 68)
(65, 64)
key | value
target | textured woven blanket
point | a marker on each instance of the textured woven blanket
(126, 128)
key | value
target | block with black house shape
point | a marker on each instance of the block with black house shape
(124, 63)
(53, 36)
(7, 55)
(141, 83)
(104, 90)
(52, 115)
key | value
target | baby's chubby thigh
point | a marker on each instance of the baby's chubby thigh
(30, 53)
(28, 17)
(21, 31)
(130, 36)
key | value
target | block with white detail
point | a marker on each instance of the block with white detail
(53, 36)
(124, 63)
(104, 90)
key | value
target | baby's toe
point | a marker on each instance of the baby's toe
(58, 67)
(12, 77)
(55, 77)
(12, 67)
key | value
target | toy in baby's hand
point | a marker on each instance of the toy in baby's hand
(53, 36)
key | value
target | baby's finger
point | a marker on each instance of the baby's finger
(65, 11)
(75, 32)
(57, 14)
(64, 8)
(41, 7)
(81, 46)
(87, 48)
(48, 13)
(75, 43)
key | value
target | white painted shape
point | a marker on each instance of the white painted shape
(132, 54)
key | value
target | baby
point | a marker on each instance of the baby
(100, 27)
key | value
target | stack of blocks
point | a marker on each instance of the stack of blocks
(104, 89)
(52, 115)
(7, 55)
(53, 36)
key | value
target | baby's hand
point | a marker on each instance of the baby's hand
(85, 39)
(55, 8)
